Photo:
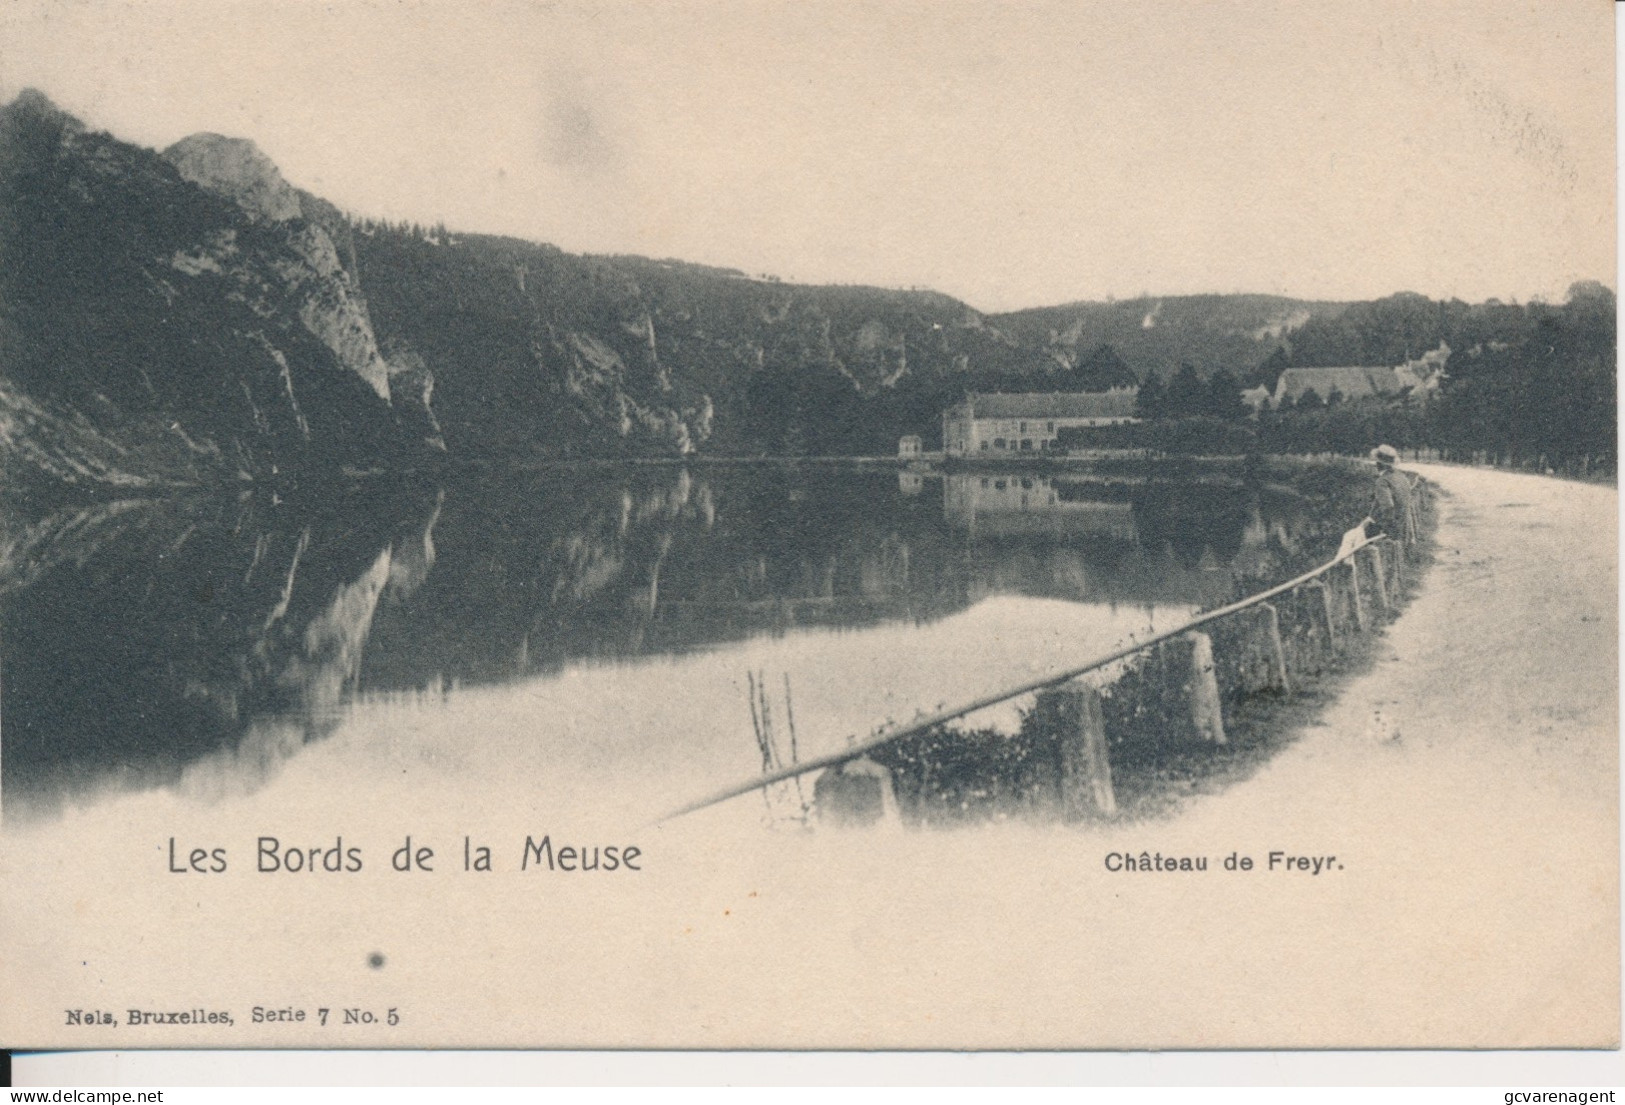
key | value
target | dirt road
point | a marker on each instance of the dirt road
(1509, 652)
(1478, 765)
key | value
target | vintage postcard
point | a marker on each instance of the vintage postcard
(855, 524)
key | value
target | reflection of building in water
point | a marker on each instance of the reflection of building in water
(996, 424)
(1026, 504)
(910, 483)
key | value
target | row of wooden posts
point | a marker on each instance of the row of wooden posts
(859, 791)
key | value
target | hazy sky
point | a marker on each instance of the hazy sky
(1012, 154)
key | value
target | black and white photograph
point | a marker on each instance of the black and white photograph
(854, 524)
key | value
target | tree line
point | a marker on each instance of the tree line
(1535, 390)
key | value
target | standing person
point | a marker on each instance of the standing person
(1391, 497)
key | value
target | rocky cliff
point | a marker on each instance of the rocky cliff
(191, 316)
(235, 168)
(149, 301)
(327, 296)
(533, 349)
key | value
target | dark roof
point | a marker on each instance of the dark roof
(1352, 382)
(1117, 403)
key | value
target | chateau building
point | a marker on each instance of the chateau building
(996, 424)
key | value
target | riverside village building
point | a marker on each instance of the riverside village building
(1000, 425)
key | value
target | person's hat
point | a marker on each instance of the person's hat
(1385, 453)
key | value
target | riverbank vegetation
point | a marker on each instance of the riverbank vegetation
(1157, 755)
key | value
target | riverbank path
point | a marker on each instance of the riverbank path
(1477, 765)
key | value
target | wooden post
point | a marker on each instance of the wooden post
(1086, 770)
(1382, 576)
(855, 794)
(1359, 603)
(1272, 629)
(1206, 714)
(1326, 603)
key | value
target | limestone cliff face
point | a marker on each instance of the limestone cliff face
(179, 318)
(329, 299)
(412, 386)
(44, 444)
(237, 169)
(332, 308)
(537, 351)
(595, 376)
(199, 291)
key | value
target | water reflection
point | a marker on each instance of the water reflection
(202, 643)
(141, 637)
(1018, 504)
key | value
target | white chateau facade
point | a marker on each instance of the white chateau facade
(996, 424)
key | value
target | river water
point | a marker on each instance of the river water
(594, 643)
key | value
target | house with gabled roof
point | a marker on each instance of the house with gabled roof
(1349, 381)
